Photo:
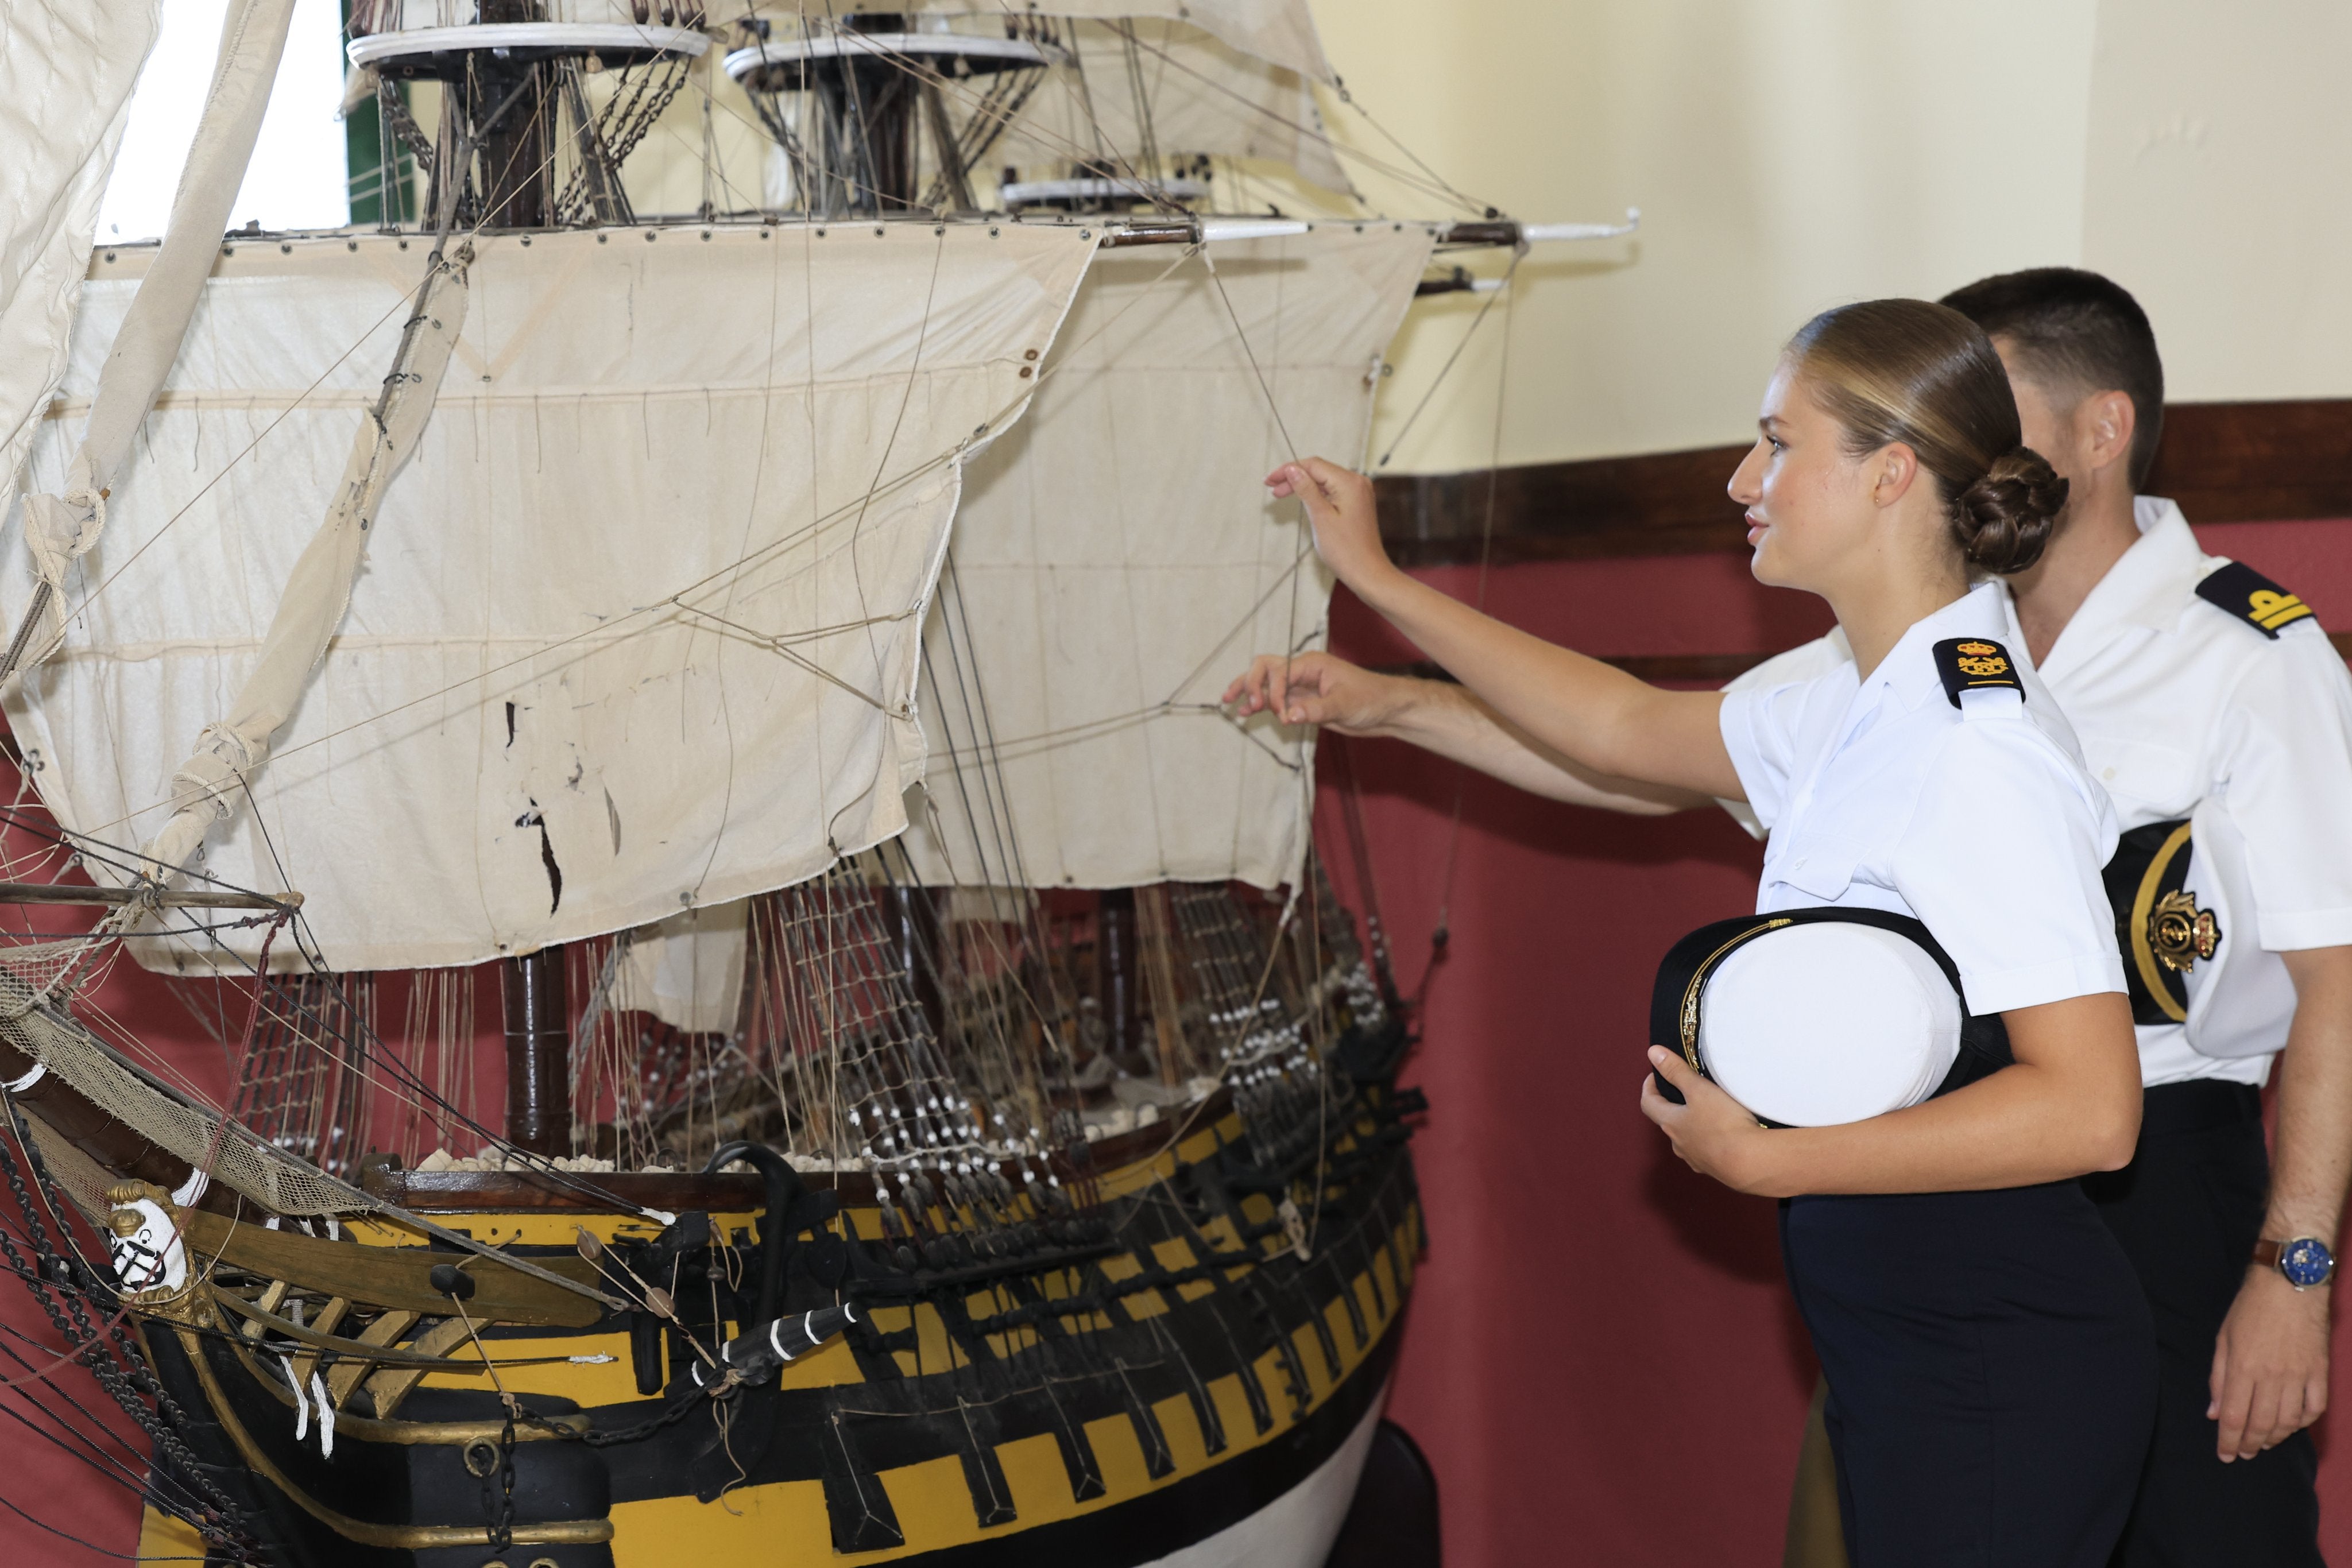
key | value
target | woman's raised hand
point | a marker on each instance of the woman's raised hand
(1339, 505)
(1313, 688)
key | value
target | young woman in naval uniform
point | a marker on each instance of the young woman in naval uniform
(1991, 1357)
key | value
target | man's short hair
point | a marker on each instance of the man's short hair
(2076, 332)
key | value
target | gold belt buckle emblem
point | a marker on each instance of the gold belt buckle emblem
(2178, 933)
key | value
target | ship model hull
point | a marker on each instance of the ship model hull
(1164, 1379)
(1055, 1202)
(1165, 1386)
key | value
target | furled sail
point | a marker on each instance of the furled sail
(65, 93)
(1116, 559)
(63, 520)
(1129, 91)
(232, 750)
(638, 626)
(1279, 32)
(1183, 90)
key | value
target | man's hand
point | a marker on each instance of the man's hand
(2270, 1364)
(1316, 688)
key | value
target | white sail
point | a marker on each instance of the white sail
(687, 971)
(638, 627)
(236, 747)
(65, 77)
(1117, 560)
(65, 521)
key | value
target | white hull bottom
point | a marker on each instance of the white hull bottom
(1296, 1530)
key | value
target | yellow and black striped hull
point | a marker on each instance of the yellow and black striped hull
(1162, 1393)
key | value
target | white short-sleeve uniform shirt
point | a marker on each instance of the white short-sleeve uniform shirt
(2176, 701)
(1980, 820)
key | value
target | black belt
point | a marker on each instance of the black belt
(2159, 926)
(2199, 1106)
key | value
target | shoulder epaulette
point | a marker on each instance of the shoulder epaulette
(1976, 665)
(2251, 598)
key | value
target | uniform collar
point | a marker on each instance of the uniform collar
(1908, 671)
(2148, 586)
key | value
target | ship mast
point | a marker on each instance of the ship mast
(539, 1053)
(873, 86)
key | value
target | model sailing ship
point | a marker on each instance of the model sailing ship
(864, 1187)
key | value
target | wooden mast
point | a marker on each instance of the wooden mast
(508, 106)
(1118, 983)
(539, 1053)
(515, 171)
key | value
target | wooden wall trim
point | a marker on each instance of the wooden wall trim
(1697, 669)
(2223, 462)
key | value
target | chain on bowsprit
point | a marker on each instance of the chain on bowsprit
(61, 1283)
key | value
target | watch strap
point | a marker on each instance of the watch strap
(2269, 1254)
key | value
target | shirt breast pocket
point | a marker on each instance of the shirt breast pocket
(1821, 868)
(2144, 776)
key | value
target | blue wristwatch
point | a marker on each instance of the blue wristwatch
(2305, 1260)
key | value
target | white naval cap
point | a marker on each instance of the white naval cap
(1814, 1017)
(1821, 1023)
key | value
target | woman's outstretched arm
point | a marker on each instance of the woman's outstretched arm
(1436, 716)
(1595, 715)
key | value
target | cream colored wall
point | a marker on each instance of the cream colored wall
(2221, 188)
(1789, 154)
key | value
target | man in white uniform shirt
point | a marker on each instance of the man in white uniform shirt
(2191, 684)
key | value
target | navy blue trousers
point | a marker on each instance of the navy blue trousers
(1991, 1368)
(2188, 1211)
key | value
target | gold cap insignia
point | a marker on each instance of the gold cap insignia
(2178, 933)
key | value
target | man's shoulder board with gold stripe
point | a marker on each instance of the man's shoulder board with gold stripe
(2251, 598)
(1976, 665)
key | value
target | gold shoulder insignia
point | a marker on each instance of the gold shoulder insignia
(2251, 598)
(1975, 664)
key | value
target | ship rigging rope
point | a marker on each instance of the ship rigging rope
(428, 1094)
(1266, 974)
(726, 571)
(1142, 190)
(604, 632)
(182, 1125)
(1441, 933)
(128, 1381)
(599, 633)
(993, 752)
(1445, 370)
(1135, 184)
(1429, 182)
(129, 1469)
(409, 301)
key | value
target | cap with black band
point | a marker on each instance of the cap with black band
(1822, 1016)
